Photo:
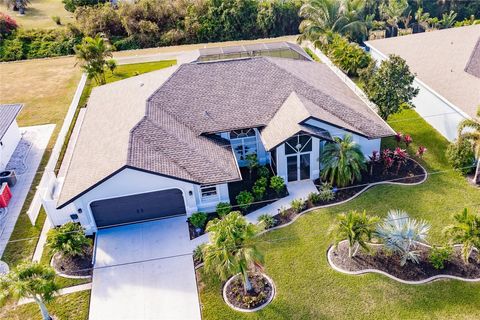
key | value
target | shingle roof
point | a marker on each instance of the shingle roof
(473, 65)
(8, 113)
(439, 59)
(176, 135)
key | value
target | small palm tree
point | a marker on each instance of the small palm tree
(357, 228)
(343, 161)
(401, 234)
(68, 239)
(92, 54)
(232, 248)
(469, 129)
(393, 11)
(324, 18)
(465, 231)
(31, 280)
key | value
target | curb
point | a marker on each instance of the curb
(224, 294)
(418, 282)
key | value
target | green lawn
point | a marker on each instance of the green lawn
(309, 289)
(73, 306)
(39, 14)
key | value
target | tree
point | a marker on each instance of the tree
(324, 18)
(19, 5)
(92, 53)
(465, 231)
(7, 25)
(393, 11)
(343, 161)
(348, 56)
(232, 248)
(357, 228)
(448, 20)
(390, 86)
(31, 280)
(400, 234)
(469, 129)
(68, 239)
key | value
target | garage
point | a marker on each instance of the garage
(138, 208)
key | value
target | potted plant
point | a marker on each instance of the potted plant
(198, 220)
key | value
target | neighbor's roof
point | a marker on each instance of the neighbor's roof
(176, 134)
(256, 47)
(441, 60)
(8, 114)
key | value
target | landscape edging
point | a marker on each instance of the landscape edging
(419, 282)
(63, 275)
(274, 292)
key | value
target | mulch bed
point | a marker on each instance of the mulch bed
(390, 263)
(74, 266)
(261, 293)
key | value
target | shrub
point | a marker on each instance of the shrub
(223, 208)
(7, 25)
(198, 252)
(277, 184)
(198, 219)
(263, 172)
(297, 205)
(267, 220)
(244, 200)
(439, 255)
(252, 161)
(57, 20)
(69, 239)
(326, 192)
(314, 197)
(348, 56)
(460, 155)
(260, 188)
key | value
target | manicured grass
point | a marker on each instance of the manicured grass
(312, 55)
(39, 14)
(73, 306)
(307, 288)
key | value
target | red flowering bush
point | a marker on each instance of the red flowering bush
(407, 139)
(398, 137)
(421, 151)
(7, 25)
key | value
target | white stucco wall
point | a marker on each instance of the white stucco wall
(435, 109)
(8, 144)
(129, 182)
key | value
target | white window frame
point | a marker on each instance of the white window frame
(244, 142)
(210, 197)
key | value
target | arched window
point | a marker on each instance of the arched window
(298, 143)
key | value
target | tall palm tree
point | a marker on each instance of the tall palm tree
(92, 54)
(324, 18)
(31, 280)
(343, 161)
(401, 234)
(469, 129)
(357, 228)
(232, 248)
(465, 231)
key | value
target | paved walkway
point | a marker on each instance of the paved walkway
(296, 190)
(145, 271)
(25, 161)
(61, 292)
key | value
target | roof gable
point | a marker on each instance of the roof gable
(8, 114)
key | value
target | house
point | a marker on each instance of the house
(447, 68)
(169, 142)
(9, 132)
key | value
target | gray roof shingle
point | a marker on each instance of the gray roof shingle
(8, 113)
(473, 65)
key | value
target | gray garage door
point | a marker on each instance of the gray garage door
(137, 208)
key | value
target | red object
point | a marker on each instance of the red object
(5, 195)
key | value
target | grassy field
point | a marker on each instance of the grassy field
(39, 14)
(307, 288)
(73, 306)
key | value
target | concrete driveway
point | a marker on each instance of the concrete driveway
(145, 271)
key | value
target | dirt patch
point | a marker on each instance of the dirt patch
(390, 263)
(261, 293)
(78, 266)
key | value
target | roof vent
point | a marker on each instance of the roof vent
(141, 84)
(207, 114)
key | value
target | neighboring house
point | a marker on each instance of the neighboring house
(9, 132)
(169, 142)
(447, 68)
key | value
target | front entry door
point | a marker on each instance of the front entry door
(298, 167)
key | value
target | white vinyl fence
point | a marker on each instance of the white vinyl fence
(48, 182)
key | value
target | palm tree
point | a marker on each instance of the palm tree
(469, 129)
(357, 228)
(68, 239)
(31, 280)
(324, 18)
(343, 161)
(393, 11)
(401, 234)
(448, 20)
(92, 53)
(465, 231)
(232, 248)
